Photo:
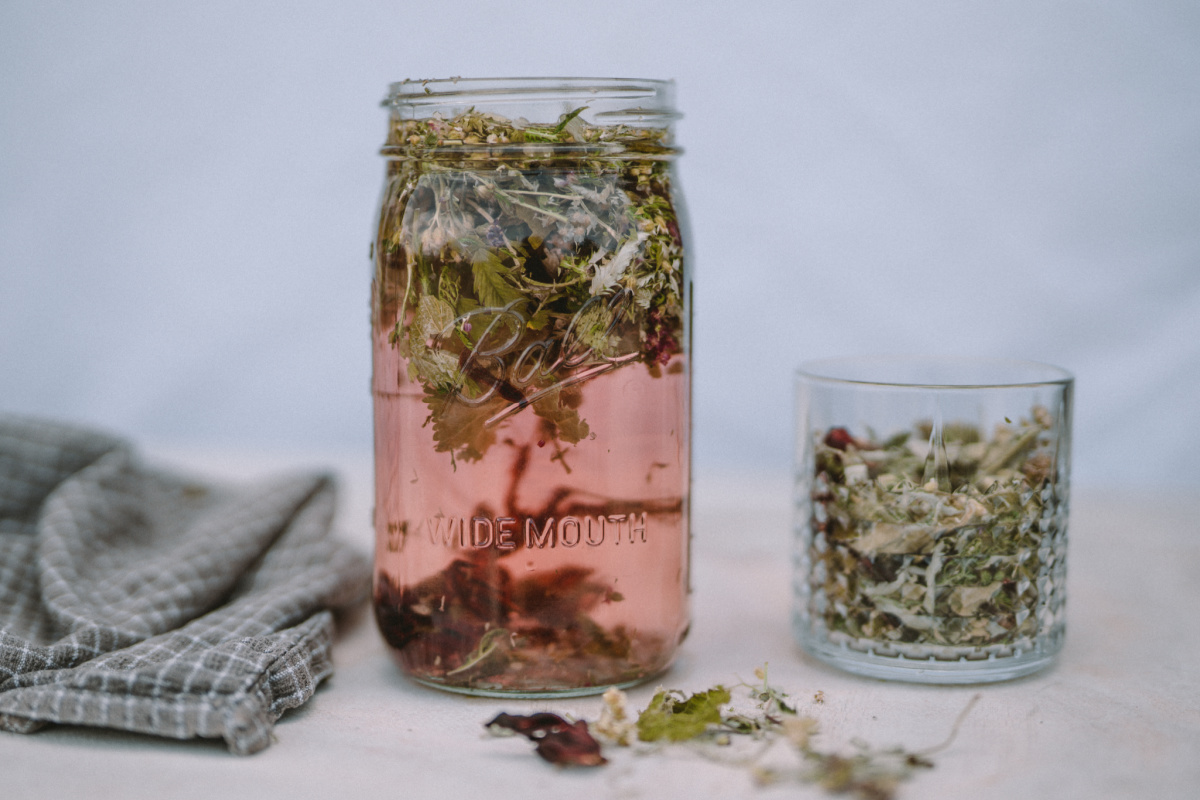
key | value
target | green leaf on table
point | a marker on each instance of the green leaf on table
(677, 717)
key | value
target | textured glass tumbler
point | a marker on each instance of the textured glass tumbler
(931, 516)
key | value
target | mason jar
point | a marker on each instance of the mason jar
(532, 385)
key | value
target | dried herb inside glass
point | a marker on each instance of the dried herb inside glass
(935, 545)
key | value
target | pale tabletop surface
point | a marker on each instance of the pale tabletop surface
(1118, 716)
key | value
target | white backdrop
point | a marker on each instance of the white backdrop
(187, 192)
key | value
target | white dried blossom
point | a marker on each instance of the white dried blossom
(608, 274)
(614, 722)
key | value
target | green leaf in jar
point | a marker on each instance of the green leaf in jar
(459, 428)
(557, 408)
(434, 366)
(492, 285)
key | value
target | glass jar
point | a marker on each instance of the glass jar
(532, 385)
(931, 516)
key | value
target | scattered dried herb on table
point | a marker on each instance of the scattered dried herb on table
(938, 540)
(706, 721)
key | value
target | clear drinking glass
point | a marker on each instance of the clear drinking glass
(931, 516)
(532, 385)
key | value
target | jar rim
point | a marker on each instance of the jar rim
(644, 101)
(933, 372)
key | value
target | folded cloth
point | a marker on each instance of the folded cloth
(135, 599)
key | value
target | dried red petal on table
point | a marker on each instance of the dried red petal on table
(558, 741)
(572, 746)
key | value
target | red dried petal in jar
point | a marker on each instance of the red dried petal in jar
(839, 439)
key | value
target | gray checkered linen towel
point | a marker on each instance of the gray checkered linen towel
(134, 599)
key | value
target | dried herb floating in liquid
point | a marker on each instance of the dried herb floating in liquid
(479, 624)
(513, 253)
(935, 544)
